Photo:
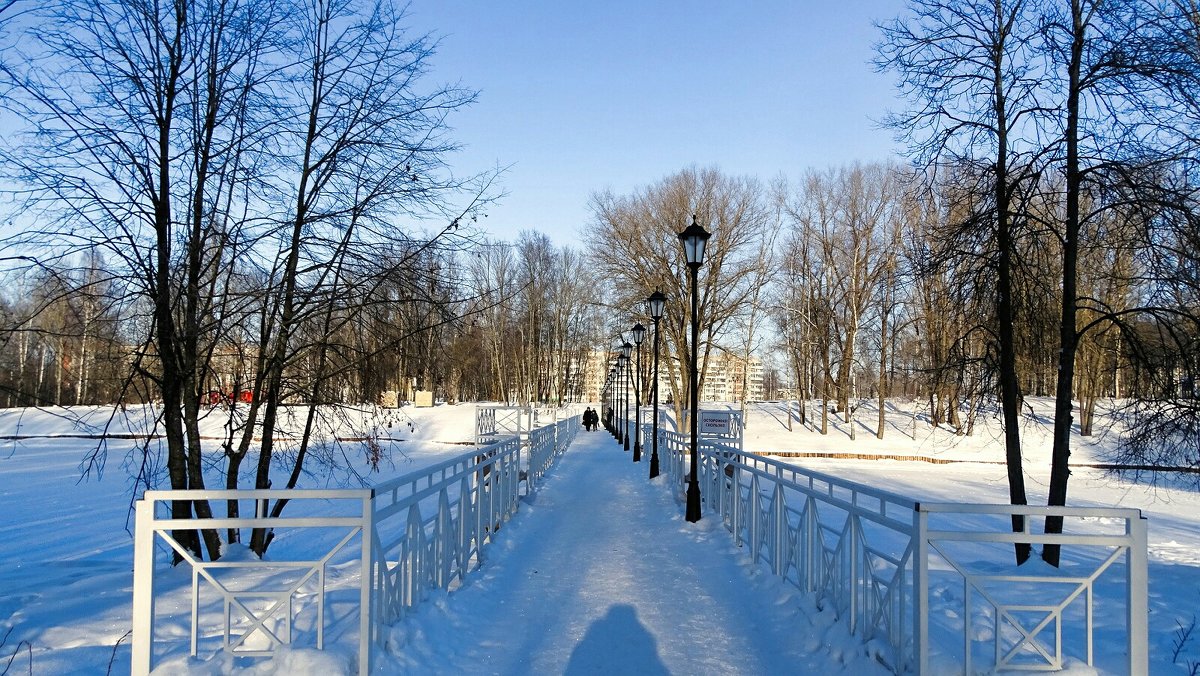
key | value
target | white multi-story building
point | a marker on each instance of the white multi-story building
(595, 373)
(728, 375)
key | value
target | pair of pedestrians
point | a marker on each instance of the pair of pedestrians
(591, 419)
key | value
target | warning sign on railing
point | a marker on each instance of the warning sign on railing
(711, 423)
(724, 425)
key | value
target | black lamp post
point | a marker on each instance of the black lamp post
(693, 238)
(639, 332)
(616, 399)
(622, 377)
(612, 401)
(626, 350)
(603, 398)
(657, 302)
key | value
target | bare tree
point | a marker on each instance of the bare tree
(240, 164)
(642, 253)
(965, 67)
(851, 218)
(131, 154)
(493, 277)
(889, 300)
(1110, 91)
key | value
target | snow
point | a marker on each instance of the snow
(598, 571)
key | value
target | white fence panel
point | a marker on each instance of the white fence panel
(546, 445)
(882, 561)
(850, 545)
(485, 424)
(249, 600)
(1033, 617)
(496, 422)
(431, 525)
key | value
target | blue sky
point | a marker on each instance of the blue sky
(583, 96)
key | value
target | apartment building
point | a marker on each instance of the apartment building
(727, 376)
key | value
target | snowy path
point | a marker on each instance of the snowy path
(599, 573)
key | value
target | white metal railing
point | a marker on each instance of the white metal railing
(419, 532)
(673, 456)
(880, 560)
(249, 616)
(849, 544)
(544, 416)
(546, 444)
(628, 425)
(485, 424)
(431, 525)
(494, 422)
(1030, 618)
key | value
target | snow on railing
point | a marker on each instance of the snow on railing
(422, 531)
(910, 577)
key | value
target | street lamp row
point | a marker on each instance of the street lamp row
(694, 239)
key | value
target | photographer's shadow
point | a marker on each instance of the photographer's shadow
(616, 644)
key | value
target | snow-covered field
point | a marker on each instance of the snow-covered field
(66, 548)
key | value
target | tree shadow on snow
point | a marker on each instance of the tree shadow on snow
(616, 644)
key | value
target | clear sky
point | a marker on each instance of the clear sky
(581, 96)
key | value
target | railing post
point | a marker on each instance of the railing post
(143, 587)
(478, 512)
(464, 535)
(443, 538)
(852, 581)
(813, 545)
(1135, 565)
(921, 589)
(755, 516)
(367, 586)
(736, 508)
(781, 529)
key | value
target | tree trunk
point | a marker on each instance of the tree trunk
(844, 370)
(41, 376)
(1060, 455)
(881, 400)
(1005, 315)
